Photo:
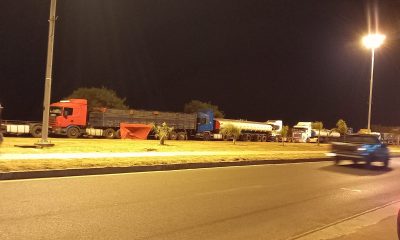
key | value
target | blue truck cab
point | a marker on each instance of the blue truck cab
(207, 126)
(361, 147)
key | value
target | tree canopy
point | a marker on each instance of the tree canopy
(284, 133)
(341, 127)
(99, 97)
(196, 105)
(318, 126)
(163, 131)
(231, 131)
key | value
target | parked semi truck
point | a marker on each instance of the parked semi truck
(303, 132)
(276, 129)
(73, 119)
(17, 127)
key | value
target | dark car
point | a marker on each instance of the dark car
(361, 147)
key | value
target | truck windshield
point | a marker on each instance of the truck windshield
(55, 111)
(299, 130)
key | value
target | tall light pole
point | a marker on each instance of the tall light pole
(372, 41)
(49, 69)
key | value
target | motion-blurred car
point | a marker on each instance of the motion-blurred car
(361, 147)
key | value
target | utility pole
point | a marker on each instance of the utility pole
(49, 68)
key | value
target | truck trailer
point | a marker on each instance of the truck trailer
(73, 119)
(18, 127)
(303, 132)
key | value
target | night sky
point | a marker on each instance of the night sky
(257, 60)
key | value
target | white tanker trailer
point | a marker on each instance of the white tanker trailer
(250, 131)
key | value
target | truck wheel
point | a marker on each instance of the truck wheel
(118, 134)
(225, 137)
(173, 136)
(386, 163)
(206, 137)
(109, 133)
(73, 132)
(36, 131)
(368, 162)
(181, 136)
(337, 160)
(264, 138)
(246, 137)
(259, 137)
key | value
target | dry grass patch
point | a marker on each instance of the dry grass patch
(216, 151)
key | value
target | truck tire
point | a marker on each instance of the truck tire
(264, 138)
(109, 133)
(181, 136)
(118, 134)
(225, 137)
(337, 160)
(36, 131)
(73, 132)
(368, 161)
(206, 136)
(173, 136)
(247, 137)
(258, 137)
(386, 162)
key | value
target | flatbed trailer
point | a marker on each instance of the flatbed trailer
(18, 127)
(184, 124)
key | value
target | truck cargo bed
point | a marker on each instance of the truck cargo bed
(113, 118)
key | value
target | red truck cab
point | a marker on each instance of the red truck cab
(68, 117)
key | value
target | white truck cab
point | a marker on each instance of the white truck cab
(301, 132)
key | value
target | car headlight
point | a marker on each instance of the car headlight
(361, 149)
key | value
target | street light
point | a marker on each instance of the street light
(49, 67)
(372, 41)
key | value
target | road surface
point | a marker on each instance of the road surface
(287, 201)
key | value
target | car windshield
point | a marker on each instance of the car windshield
(55, 111)
(362, 139)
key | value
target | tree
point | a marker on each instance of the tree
(163, 132)
(284, 133)
(318, 126)
(196, 105)
(231, 131)
(341, 127)
(99, 97)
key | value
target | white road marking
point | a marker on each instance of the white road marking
(352, 190)
(230, 190)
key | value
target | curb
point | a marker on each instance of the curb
(166, 167)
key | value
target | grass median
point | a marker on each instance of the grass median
(84, 153)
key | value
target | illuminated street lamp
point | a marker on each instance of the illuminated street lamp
(49, 67)
(372, 41)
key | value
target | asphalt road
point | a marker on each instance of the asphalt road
(250, 202)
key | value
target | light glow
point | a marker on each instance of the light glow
(372, 41)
